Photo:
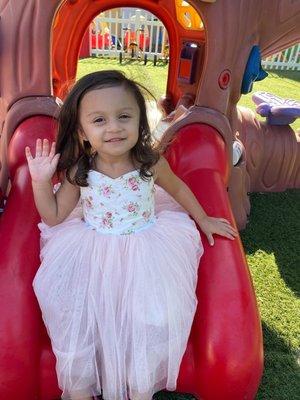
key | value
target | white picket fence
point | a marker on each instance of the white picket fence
(288, 59)
(134, 33)
(116, 31)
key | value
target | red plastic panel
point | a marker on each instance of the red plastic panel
(23, 340)
(224, 356)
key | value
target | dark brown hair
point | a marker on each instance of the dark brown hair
(75, 152)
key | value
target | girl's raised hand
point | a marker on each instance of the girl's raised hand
(220, 226)
(43, 166)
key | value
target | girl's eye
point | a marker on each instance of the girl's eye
(99, 120)
(124, 116)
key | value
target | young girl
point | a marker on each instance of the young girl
(116, 287)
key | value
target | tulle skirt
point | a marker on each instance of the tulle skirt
(119, 308)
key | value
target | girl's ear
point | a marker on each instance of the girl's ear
(81, 134)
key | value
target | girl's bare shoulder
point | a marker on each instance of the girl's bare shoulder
(160, 168)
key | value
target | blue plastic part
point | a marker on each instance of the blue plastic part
(254, 71)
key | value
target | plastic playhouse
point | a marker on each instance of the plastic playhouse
(214, 56)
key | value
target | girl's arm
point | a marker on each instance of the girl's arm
(185, 197)
(53, 208)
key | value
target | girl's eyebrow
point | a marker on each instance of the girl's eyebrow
(102, 112)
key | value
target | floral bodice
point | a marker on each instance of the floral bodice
(120, 205)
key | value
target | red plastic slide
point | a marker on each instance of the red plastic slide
(224, 358)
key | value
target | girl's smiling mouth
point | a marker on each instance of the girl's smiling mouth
(114, 140)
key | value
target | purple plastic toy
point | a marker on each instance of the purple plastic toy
(278, 111)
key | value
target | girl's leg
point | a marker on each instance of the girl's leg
(141, 396)
(81, 396)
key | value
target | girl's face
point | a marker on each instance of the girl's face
(109, 120)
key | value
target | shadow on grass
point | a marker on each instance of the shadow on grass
(163, 395)
(281, 378)
(111, 63)
(274, 228)
(293, 75)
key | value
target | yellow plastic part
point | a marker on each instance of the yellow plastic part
(187, 16)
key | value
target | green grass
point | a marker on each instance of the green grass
(283, 83)
(154, 78)
(272, 247)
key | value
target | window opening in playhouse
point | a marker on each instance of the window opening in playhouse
(187, 16)
(129, 34)
(132, 40)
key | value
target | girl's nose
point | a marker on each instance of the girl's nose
(113, 125)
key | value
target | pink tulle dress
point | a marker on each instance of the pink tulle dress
(116, 287)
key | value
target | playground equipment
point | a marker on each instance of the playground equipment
(187, 16)
(102, 40)
(277, 110)
(137, 45)
(130, 34)
(135, 41)
(224, 356)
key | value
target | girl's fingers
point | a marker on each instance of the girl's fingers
(42, 148)
(224, 220)
(229, 230)
(210, 239)
(225, 232)
(222, 227)
(45, 148)
(52, 150)
(226, 224)
(38, 148)
(28, 154)
(55, 159)
(227, 235)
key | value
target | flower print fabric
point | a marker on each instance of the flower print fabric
(120, 205)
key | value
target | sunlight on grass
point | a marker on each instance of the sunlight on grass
(282, 83)
(154, 78)
(272, 247)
